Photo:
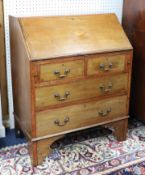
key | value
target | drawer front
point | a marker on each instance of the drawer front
(56, 71)
(82, 115)
(106, 63)
(80, 90)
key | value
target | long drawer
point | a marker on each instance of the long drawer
(77, 116)
(80, 90)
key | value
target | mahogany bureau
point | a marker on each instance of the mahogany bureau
(69, 73)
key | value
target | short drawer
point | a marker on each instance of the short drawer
(63, 70)
(78, 116)
(106, 63)
(80, 90)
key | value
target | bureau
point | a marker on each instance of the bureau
(69, 73)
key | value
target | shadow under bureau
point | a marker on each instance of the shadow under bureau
(69, 73)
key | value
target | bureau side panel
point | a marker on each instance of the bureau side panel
(20, 77)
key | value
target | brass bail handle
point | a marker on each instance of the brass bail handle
(59, 75)
(59, 123)
(107, 88)
(106, 67)
(104, 113)
(65, 96)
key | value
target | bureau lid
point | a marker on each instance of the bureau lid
(49, 37)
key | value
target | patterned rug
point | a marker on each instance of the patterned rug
(92, 152)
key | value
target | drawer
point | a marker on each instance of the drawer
(80, 90)
(63, 70)
(106, 63)
(82, 115)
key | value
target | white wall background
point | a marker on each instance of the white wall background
(51, 8)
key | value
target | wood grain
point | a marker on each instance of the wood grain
(44, 148)
(80, 90)
(66, 70)
(3, 82)
(79, 115)
(38, 51)
(106, 64)
(134, 25)
(21, 77)
(118, 127)
(49, 37)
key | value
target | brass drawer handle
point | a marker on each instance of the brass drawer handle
(59, 75)
(106, 68)
(104, 113)
(58, 123)
(103, 88)
(59, 98)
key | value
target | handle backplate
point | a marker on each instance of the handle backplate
(104, 113)
(106, 88)
(59, 123)
(105, 67)
(62, 75)
(65, 96)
